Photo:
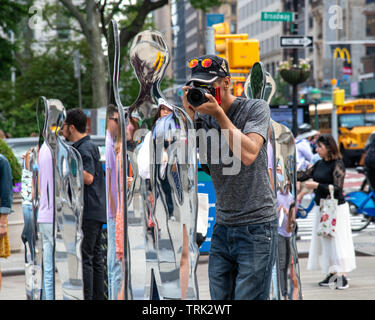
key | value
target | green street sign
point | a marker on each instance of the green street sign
(277, 16)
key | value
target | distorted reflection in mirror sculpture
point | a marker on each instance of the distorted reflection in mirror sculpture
(58, 201)
(30, 236)
(261, 85)
(68, 199)
(156, 218)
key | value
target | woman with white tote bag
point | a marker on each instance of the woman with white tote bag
(335, 255)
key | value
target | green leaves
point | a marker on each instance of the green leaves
(50, 74)
(207, 4)
(7, 152)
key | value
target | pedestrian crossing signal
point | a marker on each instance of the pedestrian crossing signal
(238, 89)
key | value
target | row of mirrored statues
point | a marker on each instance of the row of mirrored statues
(151, 189)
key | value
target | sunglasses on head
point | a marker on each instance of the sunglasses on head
(205, 63)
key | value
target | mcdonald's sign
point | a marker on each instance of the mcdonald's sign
(343, 52)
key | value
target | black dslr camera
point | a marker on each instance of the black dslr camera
(196, 95)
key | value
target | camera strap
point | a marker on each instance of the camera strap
(217, 95)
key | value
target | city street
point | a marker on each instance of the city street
(361, 280)
(133, 126)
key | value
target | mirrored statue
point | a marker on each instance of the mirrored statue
(281, 153)
(151, 166)
(30, 236)
(57, 198)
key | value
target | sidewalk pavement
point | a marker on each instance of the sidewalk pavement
(361, 280)
(364, 244)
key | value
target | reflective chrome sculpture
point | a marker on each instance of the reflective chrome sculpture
(260, 85)
(155, 216)
(67, 205)
(30, 236)
(68, 190)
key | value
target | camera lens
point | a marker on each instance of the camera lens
(196, 96)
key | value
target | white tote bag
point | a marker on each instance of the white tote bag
(328, 210)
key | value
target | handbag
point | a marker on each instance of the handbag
(328, 209)
(4, 246)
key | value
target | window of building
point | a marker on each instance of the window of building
(370, 25)
(370, 51)
(311, 22)
(234, 9)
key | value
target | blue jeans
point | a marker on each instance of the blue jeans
(28, 233)
(46, 229)
(113, 265)
(275, 285)
(241, 260)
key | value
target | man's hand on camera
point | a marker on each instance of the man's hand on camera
(188, 108)
(211, 107)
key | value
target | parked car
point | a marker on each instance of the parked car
(21, 145)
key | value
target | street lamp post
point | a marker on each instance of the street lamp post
(316, 95)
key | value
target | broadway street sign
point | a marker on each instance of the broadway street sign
(296, 41)
(277, 16)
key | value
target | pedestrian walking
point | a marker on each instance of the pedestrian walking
(28, 234)
(304, 151)
(243, 244)
(335, 256)
(6, 199)
(94, 208)
(284, 201)
(369, 162)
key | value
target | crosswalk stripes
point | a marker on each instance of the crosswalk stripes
(305, 226)
(353, 182)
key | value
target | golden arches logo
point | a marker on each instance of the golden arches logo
(342, 52)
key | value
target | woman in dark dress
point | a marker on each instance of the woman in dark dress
(334, 256)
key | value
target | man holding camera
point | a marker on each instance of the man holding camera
(243, 244)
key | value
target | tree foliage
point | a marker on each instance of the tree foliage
(50, 74)
(10, 13)
(7, 152)
(281, 96)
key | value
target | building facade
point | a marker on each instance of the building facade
(267, 32)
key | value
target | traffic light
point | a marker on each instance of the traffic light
(238, 88)
(220, 42)
(294, 24)
(243, 53)
(338, 98)
(302, 99)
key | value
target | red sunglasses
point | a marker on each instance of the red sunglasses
(205, 63)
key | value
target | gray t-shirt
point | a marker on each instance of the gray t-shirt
(245, 197)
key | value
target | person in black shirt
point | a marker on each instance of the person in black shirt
(336, 255)
(94, 207)
(370, 161)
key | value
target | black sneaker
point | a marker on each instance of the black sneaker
(342, 283)
(325, 282)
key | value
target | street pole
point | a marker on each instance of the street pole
(210, 40)
(316, 115)
(295, 86)
(13, 69)
(77, 74)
